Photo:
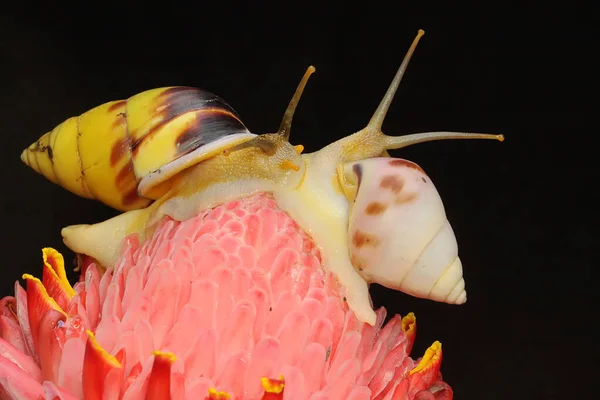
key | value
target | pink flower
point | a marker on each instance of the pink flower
(231, 304)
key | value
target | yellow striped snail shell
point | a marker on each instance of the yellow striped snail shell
(120, 152)
(331, 193)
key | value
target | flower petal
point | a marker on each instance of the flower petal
(264, 361)
(17, 384)
(426, 372)
(400, 390)
(197, 388)
(97, 365)
(234, 367)
(159, 382)
(346, 351)
(84, 262)
(311, 368)
(23, 317)
(359, 392)
(236, 335)
(369, 334)
(20, 359)
(163, 289)
(390, 370)
(409, 326)
(38, 304)
(293, 336)
(71, 365)
(206, 345)
(9, 324)
(439, 391)
(54, 277)
(92, 296)
(56, 393)
(344, 378)
(50, 343)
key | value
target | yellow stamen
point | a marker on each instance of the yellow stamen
(299, 148)
(431, 355)
(214, 395)
(273, 385)
(165, 355)
(408, 322)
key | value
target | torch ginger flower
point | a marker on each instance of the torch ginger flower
(231, 304)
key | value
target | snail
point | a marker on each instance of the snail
(176, 151)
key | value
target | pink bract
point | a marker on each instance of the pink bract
(232, 303)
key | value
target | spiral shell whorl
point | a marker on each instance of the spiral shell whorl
(399, 235)
(90, 156)
(104, 153)
(437, 274)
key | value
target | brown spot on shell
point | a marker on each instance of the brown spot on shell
(358, 262)
(183, 99)
(375, 208)
(125, 179)
(120, 121)
(360, 239)
(392, 182)
(398, 162)
(130, 197)
(180, 100)
(40, 148)
(119, 150)
(405, 198)
(127, 185)
(119, 104)
(210, 125)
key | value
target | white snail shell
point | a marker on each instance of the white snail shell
(399, 235)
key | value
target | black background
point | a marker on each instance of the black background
(524, 211)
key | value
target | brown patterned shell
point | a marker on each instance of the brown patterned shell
(105, 153)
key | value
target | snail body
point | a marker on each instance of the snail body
(372, 216)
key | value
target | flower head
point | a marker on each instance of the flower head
(231, 304)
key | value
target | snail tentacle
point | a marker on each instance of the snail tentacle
(269, 143)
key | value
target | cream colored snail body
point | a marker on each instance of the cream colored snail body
(176, 151)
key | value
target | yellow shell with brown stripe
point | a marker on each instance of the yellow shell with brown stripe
(122, 151)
